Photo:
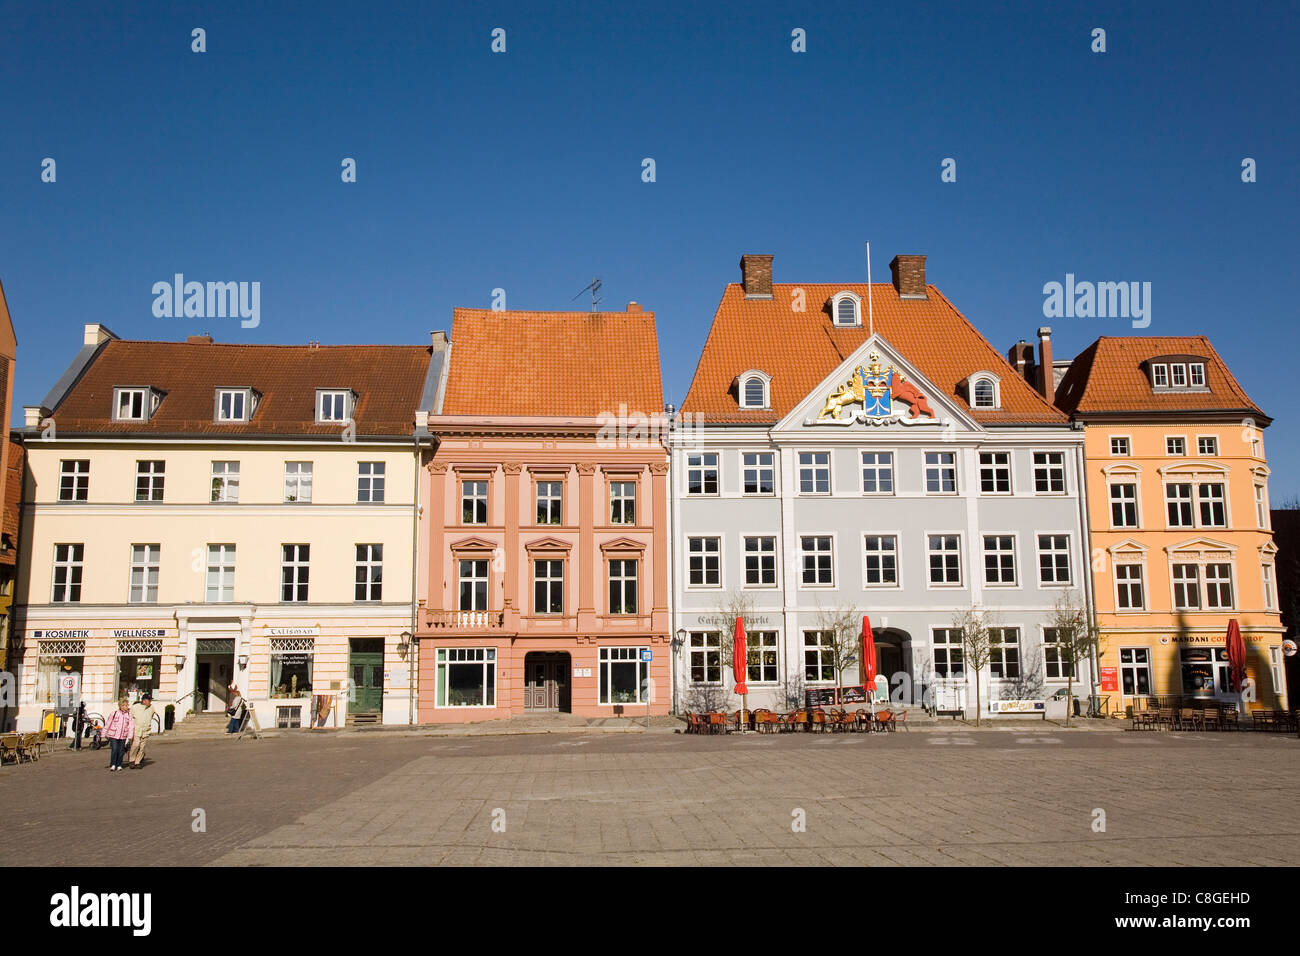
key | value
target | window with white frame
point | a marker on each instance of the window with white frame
(1196, 374)
(221, 573)
(233, 404)
(1123, 505)
(1000, 559)
(819, 656)
(877, 473)
(702, 473)
(1004, 653)
(225, 481)
(149, 477)
(369, 573)
(949, 661)
(624, 676)
(1049, 472)
(1261, 507)
(817, 559)
(753, 392)
(297, 481)
(472, 584)
(1056, 657)
(995, 473)
(1160, 375)
(293, 660)
(1178, 375)
(705, 657)
(550, 501)
(466, 677)
(1128, 582)
(1178, 505)
(1213, 506)
(622, 502)
(333, 405)
(370, 482)
(1053, 559)
(622, 585)
(814, 472)
(1256, 448)
(1207, 445)
(940, 473)
(1270, 587)
(67, 573)
(759, 472)
(548, 586)
(1135, 671)
(760, 657)
(74, 480)
(760, 561)
(882, 560)
(145, 559)
(844, 308)
(295, 572)
(985, 394)
(131, 404)
(1218, 586)
(1120, 447)
(704, 562)
(944, 555)
(1187, 587)
(1176, 445)
(474, 501)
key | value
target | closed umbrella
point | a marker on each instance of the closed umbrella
(740, 665)
(1236, 656)
(869, 662)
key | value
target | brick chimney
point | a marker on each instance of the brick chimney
(634, 306)
(909, 276)
(1021, 357)
(1046, 378)
(756, 276)
(439, 340)
(198, 339)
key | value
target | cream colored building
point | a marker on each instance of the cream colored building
(201, 515)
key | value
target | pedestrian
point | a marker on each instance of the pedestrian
(142, 713)
(119, 729)
(235, 710)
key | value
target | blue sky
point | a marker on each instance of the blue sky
(522, 170)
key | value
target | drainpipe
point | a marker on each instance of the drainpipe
(1089, 589)
(412, 647)
(673, 649)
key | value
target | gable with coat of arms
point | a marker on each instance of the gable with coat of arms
(876, 389)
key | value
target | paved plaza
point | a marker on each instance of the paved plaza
(1037, 796)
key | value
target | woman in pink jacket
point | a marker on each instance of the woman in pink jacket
(119, 730)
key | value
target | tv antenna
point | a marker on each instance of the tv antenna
(593, 287)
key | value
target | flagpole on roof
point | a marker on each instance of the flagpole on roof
(871, 322)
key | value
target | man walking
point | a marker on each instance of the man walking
(143, 714)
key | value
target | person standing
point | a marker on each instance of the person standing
(235, 710)
(119, 729)
(142, 713)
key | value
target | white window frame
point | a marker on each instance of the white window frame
(816, 554)
(814, 467)
(296, 478)
(221, 563)
(549, 583)
(623, 579)
(1055, 550)
(147, 402)
(342, 398)
(1158, 371)
(953, 666)
(1127, 481)
(1126, 585)
(940, 467)
(1215, 587)
(228, 478)
(73, 566)
(549, 496)
(1175, 452)
(469, 491)
(994, 467)
(843, 296)
(1049, 468)
(371, 482)
(1213, 441)
(1063, 666)
(479, 579)
(1192, 586)
(619, 501)
(447, 657)
(707, 646)
(824, 650)
(1136, 666)
(698, 559)
(245, 396)
(146, 560)
(998, 653)
(607, 658)
(1000, 553)
(296, 566)
(930, 551)
(1181, 503)
(1127, 446)
(758, 468)
(702, 467)
(758, 643)
(72, 468)
(764, 382)
(877, 468)
(1196, 370)
(367, 561)
(1269, 581)
(154, 479)
(1203, 501)
(760, 553)
(882, 553)
(1262, 517)
(1177, 370)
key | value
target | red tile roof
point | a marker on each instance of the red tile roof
(388, 380)
(552, 364)
(799, 349)
(1110, 377)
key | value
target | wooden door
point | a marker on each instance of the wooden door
(367, 671)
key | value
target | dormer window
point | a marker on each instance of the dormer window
(1178, 375)
(235, 404)
(1160, 376)
(753, 390)
(132, 404)
(985, 391)
(334, 404)
(1178, 371)
(846, 309)
(1196, 373)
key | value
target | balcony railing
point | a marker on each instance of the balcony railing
(465, 620)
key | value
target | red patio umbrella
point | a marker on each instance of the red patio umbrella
(1236, 655)
(739, 659)
(868, 661)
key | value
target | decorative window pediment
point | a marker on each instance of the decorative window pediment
(623, 544)
(548, 544)
(473, 544)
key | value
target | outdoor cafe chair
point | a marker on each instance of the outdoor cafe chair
(885, 719)
(1190, 718)
(10, 748)
(1210, 719)
(795, 720)
(817, 720)
(717, 722)
(765, 721)
(1166, 717)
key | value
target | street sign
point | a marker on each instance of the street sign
(647, 654)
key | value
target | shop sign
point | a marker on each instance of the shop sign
(582, 672)
(1289, 647)
(1110, 678)
(60, 635)
(1017, 706)
(312, 631)
(116, 633)
(1208, 638)
(293, 659)
(825, 696)
(721, 620)
(124, 633)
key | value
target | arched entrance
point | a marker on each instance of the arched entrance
(546, 683)
(894, 657)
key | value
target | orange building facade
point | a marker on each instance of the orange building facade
(1177, 486)
(544, 533)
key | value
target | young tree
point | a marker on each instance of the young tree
(842, 627)
(1077, 639)
(976, 626)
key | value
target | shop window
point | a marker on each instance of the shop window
(624, 677)
(466, 677)
(1205, 669)
(292, 662)
(760, 657)
(1135, 671)
(705, 657)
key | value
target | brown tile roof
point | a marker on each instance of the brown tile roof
(388, 380)
(13, 493)
(1110, 376)
(552, 364)
(799, 349)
